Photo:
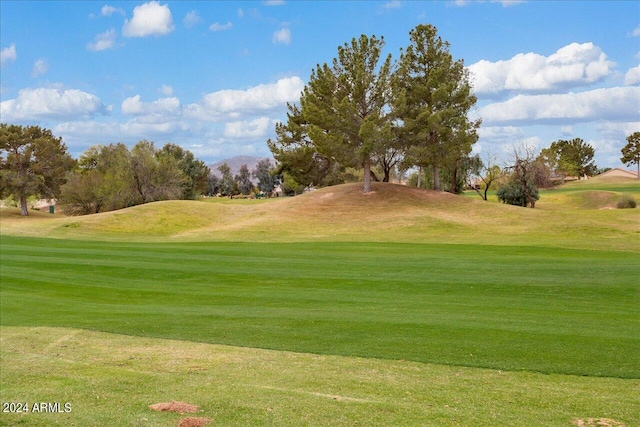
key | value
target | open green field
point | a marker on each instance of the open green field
(404, 307)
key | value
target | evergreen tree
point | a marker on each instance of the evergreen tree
(345, 105)
(434, 99)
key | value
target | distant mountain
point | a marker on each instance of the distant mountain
(235, 163)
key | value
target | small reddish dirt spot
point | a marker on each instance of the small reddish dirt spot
(179, 407)
(193, 422)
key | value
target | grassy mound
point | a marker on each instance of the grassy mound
(390, 213)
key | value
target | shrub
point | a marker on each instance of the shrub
(626, 202)
(514, 194)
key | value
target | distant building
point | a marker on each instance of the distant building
(618, 173)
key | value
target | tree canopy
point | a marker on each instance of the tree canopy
(570, 158)
(364, 110)
(110, 177)
(344, 104)
(32, 162)
(434, 99)
(631, 151)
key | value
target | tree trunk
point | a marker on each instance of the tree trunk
(436, 178)
(419, 176)
(367, 175)
(454, 181)
(23, 205)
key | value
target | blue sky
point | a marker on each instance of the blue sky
(215, 76)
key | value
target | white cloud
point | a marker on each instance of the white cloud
(162, 106)
(110, 10)
(505, 3)
(618, 103)
(240, 13)
(635, 32)
(633, 76)
(258, 98)
(393, 4)
(103, 41)
(618, 129)
(273, 2)
(256, 128)
(82, 134)
(572, 65)
(42, 103)
(216, 26)
(507, 133)
(8, 54)
(282, 36)
(149, 19)
(166, 90)
(40, 67)
(191, 19)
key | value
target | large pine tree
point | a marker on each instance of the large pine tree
(345, 104)
(434, 102)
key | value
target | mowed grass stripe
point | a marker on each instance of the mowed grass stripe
(512, 308)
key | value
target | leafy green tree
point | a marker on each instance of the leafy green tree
(435, 96)
(486, 171)
(631, 151)
(345, 105)
(518, 194)
(32, 162)
(228, 186)
(214, 185)
(195, 171)
(155, 177)
(570, 158)
(243, 180)
(264, 174)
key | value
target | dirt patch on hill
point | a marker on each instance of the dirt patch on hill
(597, 422)
(193, 422)
(179, 407)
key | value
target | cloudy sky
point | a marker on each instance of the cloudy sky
(215, 76)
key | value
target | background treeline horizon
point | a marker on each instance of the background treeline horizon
(361, 115)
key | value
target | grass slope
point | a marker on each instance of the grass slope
(417, 289)
(110, 380)
(392, 213)
(502, 307)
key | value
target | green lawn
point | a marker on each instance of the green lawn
(501, 307)
(402, 307)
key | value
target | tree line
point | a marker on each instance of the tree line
(34, 162)
(229, 185)
(110, 177)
